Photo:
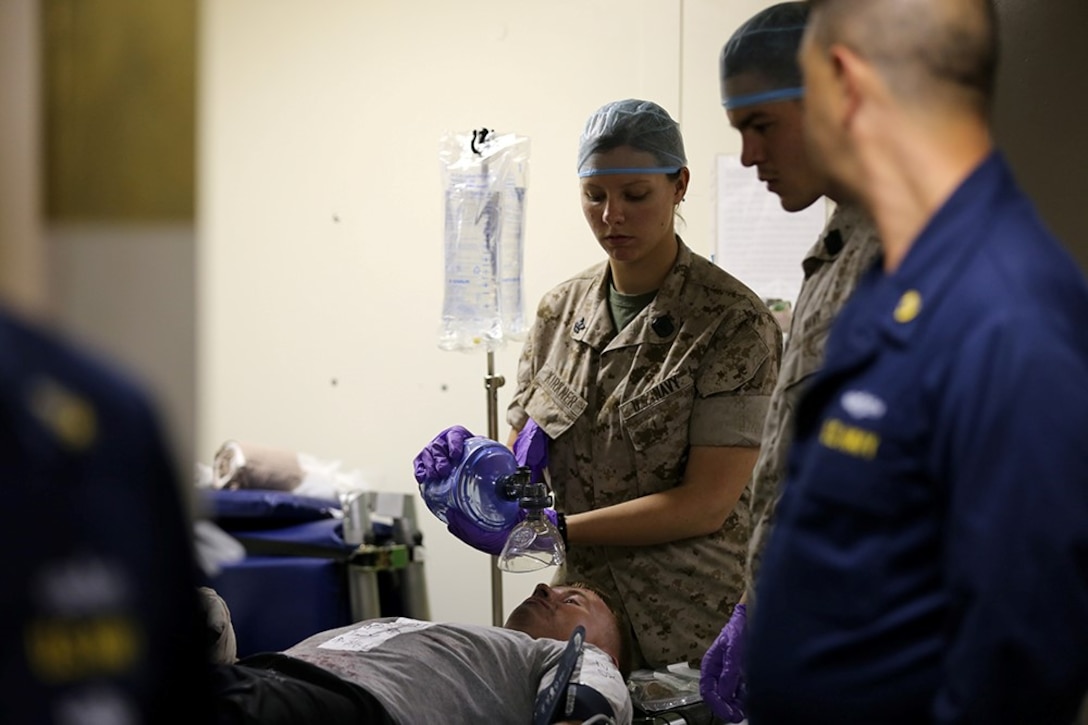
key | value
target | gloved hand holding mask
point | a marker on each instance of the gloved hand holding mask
(531, 449)
(434, 464)
(489, 542)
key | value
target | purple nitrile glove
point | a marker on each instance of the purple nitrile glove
(721, 680)
(531, 449)
(489, 542)
(438, 457)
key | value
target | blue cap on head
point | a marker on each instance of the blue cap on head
(764, 52)
(640, 125)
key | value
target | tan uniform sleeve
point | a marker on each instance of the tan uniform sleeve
(733, 386)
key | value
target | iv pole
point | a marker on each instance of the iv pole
(491, 210)
(492, 383)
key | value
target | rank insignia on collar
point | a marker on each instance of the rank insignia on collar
(663, 326)
(910, 304)
(70, 417)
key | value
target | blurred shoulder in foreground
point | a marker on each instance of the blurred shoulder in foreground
(102, 620)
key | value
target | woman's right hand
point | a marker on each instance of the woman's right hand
(531, 449)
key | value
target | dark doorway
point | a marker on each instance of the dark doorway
(1042, 104)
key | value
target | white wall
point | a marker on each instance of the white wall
(125, 290)
(319, 233)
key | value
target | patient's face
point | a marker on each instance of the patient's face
(554, 612)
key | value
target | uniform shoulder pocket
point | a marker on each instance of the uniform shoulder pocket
(745, 357)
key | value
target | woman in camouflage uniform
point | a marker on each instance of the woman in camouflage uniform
(650, 373)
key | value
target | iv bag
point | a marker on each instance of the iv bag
(485, 178)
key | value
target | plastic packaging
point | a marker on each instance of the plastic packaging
(472, 489)
(485, 177)
(665, 688)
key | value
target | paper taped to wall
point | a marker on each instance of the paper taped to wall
(757, 241)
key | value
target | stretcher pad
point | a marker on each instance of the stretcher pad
(277, 601)
(298, 575)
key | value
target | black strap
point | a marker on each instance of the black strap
(257, 546)
(382, 558)
(561, 524)
(565, 700)
(548, 701)
(583, 702)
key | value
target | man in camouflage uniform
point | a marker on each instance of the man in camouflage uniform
(762, 93)
(847, 247)
(653, 404)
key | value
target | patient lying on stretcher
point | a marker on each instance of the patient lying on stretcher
(406, 671)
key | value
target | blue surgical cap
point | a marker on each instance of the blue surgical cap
(641, 125)
(765, 50)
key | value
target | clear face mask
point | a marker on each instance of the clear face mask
(535, 543)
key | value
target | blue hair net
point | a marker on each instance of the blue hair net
(765, 50)
(641, 125)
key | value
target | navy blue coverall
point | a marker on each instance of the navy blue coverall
(101, 622)
(930, 559)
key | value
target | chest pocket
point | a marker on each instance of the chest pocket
(553, 403)
(808, 338)
(857, 509)
(656, 424)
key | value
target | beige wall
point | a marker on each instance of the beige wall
(126, 291)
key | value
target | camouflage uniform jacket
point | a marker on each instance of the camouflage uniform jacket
(694, 368)
(848, 247)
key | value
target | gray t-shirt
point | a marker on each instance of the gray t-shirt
(428, 672)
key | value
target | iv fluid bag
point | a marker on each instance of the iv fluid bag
(511, 261)
(484, 222)
(470, 305)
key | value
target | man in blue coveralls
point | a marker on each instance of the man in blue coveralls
(930, 560)
(98, 582)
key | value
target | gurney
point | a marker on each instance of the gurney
(312, 564)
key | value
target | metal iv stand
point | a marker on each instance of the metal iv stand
(492, 383)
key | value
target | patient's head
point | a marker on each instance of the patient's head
(554, 612)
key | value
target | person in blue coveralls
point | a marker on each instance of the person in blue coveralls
(102, 621)
(930, 558)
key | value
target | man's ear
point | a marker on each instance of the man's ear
(851, 74)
